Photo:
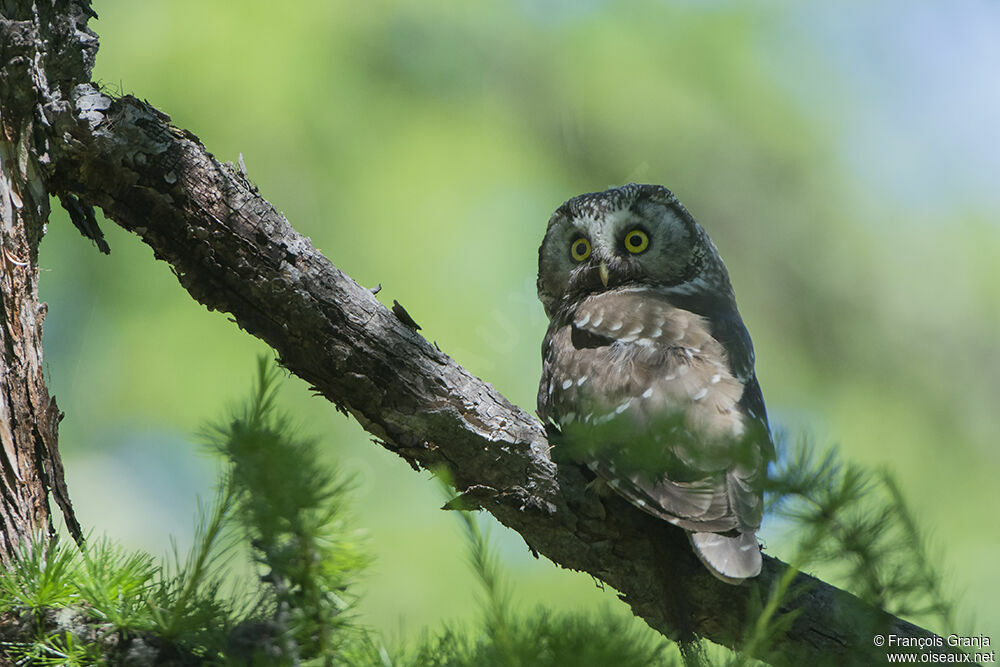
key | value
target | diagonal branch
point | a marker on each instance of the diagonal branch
(234, 252)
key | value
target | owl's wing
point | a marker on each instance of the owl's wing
(696, 505)
(725, 325)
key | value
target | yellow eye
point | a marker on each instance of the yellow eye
(636, 241)
(579, 250)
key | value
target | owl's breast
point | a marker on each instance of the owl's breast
(631, 359)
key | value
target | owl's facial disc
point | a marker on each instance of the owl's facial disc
(622, 247)
(633, 235)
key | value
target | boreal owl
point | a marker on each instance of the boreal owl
(648, 370)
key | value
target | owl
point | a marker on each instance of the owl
(648, 370)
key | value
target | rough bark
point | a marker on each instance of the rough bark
(234, 252)
(31, 77)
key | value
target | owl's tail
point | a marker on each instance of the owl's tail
(731, 559)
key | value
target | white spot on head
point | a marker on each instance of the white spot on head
(715, 379)
(567, 384)
(670, 377)
(701, 394)
(647, 393)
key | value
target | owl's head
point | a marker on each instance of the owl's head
(634, 235)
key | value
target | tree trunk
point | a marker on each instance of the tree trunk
(29, 418)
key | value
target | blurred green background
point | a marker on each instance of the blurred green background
(844, 159)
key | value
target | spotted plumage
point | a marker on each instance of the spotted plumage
(648, 370)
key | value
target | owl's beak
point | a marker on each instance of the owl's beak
(603, 270)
